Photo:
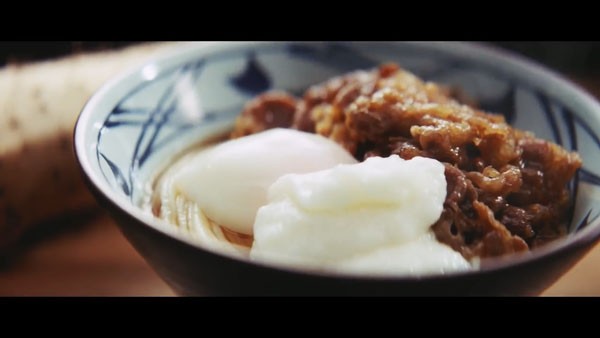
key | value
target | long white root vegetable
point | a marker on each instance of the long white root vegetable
(39, 104)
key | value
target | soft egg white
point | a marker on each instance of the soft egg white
(229, 181)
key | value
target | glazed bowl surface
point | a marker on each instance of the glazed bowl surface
(139, 122)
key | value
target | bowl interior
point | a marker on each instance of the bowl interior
(138, 123)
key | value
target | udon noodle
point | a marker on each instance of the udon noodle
(169, 204)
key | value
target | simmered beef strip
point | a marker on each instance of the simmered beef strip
(506, 188)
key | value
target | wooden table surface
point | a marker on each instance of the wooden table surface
(95, 259)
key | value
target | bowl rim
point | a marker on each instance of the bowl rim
(556, 86)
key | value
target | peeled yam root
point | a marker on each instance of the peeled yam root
(39, 104)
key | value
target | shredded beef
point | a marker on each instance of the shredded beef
(506, 189)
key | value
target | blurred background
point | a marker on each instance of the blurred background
(88, 256)
(28, 51)
(572, 57)
(577, 58)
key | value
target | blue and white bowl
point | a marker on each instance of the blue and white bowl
(139, 122)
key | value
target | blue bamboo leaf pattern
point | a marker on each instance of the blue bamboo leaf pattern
(253, 80)
(157, 127)
(545, 103)
(504, 104)
(117, 174)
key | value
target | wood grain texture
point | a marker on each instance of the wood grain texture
(96, 260)
(93, 260)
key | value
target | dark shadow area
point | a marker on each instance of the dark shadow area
(27, 51)
(578, 58)
(42, 231)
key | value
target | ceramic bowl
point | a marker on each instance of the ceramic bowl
(137, 123)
